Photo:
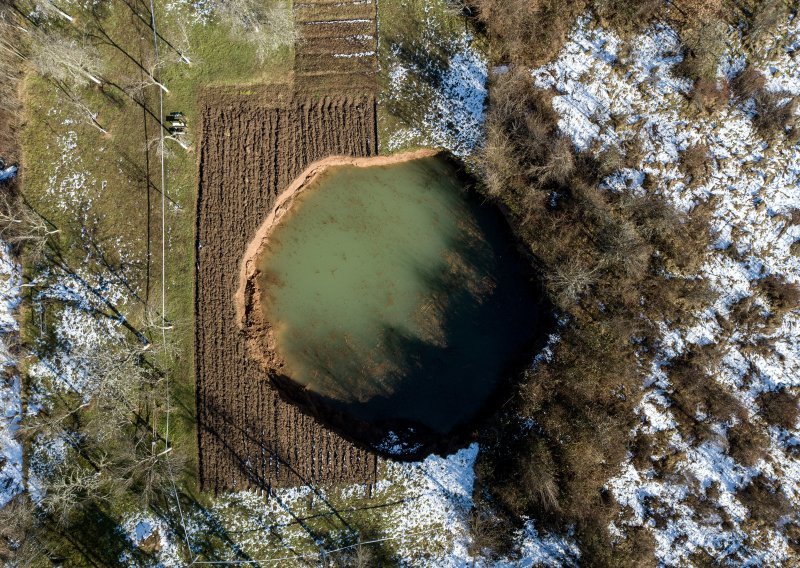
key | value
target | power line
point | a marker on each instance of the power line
(164, 271)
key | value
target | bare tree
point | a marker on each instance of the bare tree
(119, 383)
(22, 226)
(65, 59)
(570, 280)
(359, 555)
(69, 486)
(269, 25)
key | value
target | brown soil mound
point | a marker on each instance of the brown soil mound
(254, 143)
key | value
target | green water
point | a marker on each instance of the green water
(395, 295)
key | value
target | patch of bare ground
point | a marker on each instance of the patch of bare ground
(255, 142)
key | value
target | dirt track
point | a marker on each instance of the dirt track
(253, 146)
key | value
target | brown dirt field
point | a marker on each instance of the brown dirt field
(253, 146)
(308, 12)
(311, 46)
(254, 142)
(329, 64)
(335, 30)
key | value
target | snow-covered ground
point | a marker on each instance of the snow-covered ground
(608, 93)
(442, 108)
(10, 401)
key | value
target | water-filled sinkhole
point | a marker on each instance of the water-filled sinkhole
(396, 296)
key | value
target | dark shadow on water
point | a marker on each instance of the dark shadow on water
(442, 390)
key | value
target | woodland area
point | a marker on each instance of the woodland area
(613, 264)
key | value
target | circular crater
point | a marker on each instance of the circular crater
(382, 296)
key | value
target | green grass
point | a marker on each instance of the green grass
(116, 225)
(119, 217)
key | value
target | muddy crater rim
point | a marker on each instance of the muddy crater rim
(392, 304)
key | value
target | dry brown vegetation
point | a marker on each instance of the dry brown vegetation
(747, 83)
(780, 408)
(695, 162)
(604, 258)
(765, 500)
(783, 296)
(612, 264)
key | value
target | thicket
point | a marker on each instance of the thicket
(612, 264)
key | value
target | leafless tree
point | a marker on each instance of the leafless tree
(269, 25)
(570, 280)
(357, 556)
(119, 383)
(65, 59)
(22, 226)
(69, 486)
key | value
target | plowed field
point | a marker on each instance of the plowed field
(254, 143)
(253, 146)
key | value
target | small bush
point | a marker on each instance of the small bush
(764, 500)
(747, 83)
(709, 95)
(783, 296)
(694, 162)
(747, 443)
(747, 317)
(699, 401)
(774, 115)
(529, 31)
(780, 408)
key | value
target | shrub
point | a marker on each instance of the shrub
(747, 443)
(528, 31)
(783, 296)
(764, 500)
(774, 114)
(694, 162)
(709, 95)
(747, 83)
(780, 408)
(612, 263)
